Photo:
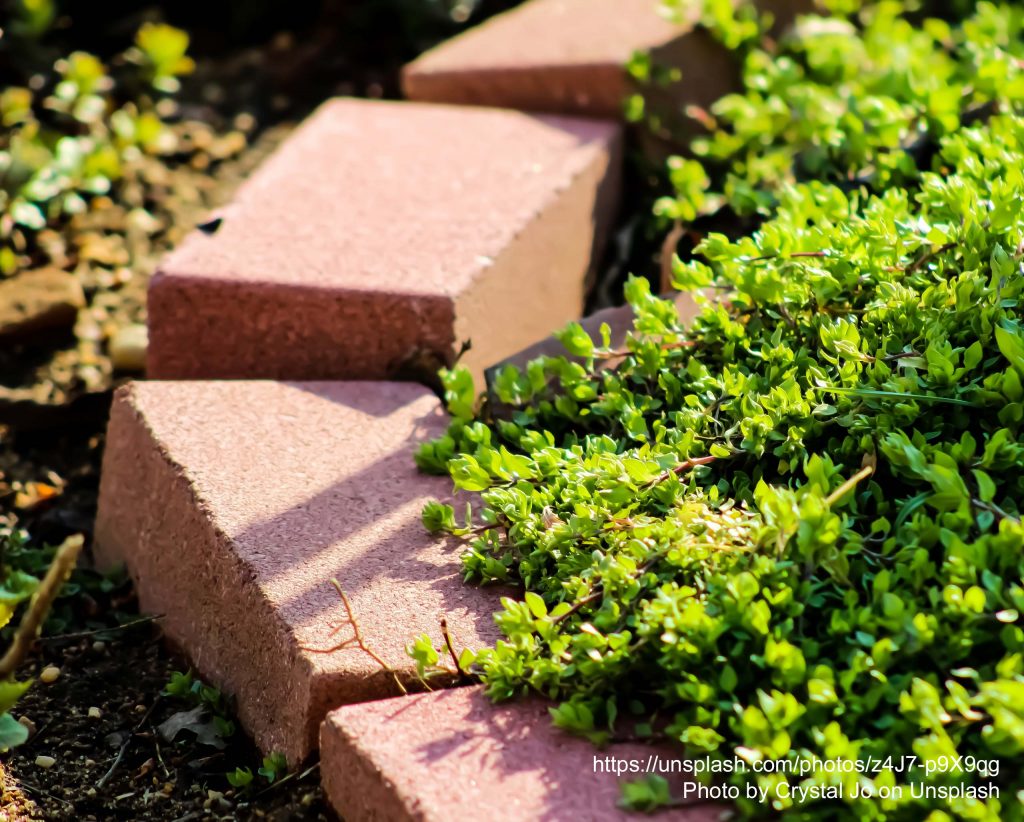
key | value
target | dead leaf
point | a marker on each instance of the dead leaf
(197, 721)
(34, 493)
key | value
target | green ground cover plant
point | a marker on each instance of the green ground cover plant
(789, 531)
(76, 129)
(858, 98)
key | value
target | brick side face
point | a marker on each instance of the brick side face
(235, 504)
(352, 253)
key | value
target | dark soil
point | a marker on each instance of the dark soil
(49, 480)
(55, 393)
(250, 87)
(122, 672)
(123, 675)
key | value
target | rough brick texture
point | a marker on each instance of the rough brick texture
(381, 236)
(455, 755)
(234, 504)
(569, 56)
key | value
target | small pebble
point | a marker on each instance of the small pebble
(99, 645)
(49, 674)
(128, 348)
(90, 763)
(28, 723)
(46, 762)
(95, 713)
(245, 121)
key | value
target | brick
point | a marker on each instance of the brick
(455, 755)
(234, 504)
(569, 56)
(383, 235)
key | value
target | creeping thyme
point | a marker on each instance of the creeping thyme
(77, 129)
(855, 98)
(790, 529)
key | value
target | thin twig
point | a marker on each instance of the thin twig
(796, 255)
(481, 529)
(625, 352)
(992, 508)
(159, 757)
(836, 495)
(85, 634)
(926, 258)
(451, 649)
(288, 778)
(598, 591)
(31, 788)
(59, 570)
(356, 638)
(593, 596)
(784, 312)
(128, 740)
(693, 462)
(899, 355)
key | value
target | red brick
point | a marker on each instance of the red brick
(233, 505)
(455, 755)
(383, 235)
(569, 56)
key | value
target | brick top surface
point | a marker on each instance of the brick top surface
(455, 755)
(311, 481)
(409, 197)
(555, 32)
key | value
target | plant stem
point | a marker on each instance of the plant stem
(598, 591)
(693, 462)
(356, 638)
(59, 570)
(451, 650)
(992, 508)
(84, 634)
(931, 255)
(836, 495)
(124, 745)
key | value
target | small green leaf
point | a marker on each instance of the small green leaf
(12, 733)
(10, 692)
(536, 605)
(646, 795)
(438, 517)
(576, 340)
(1011, 344)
